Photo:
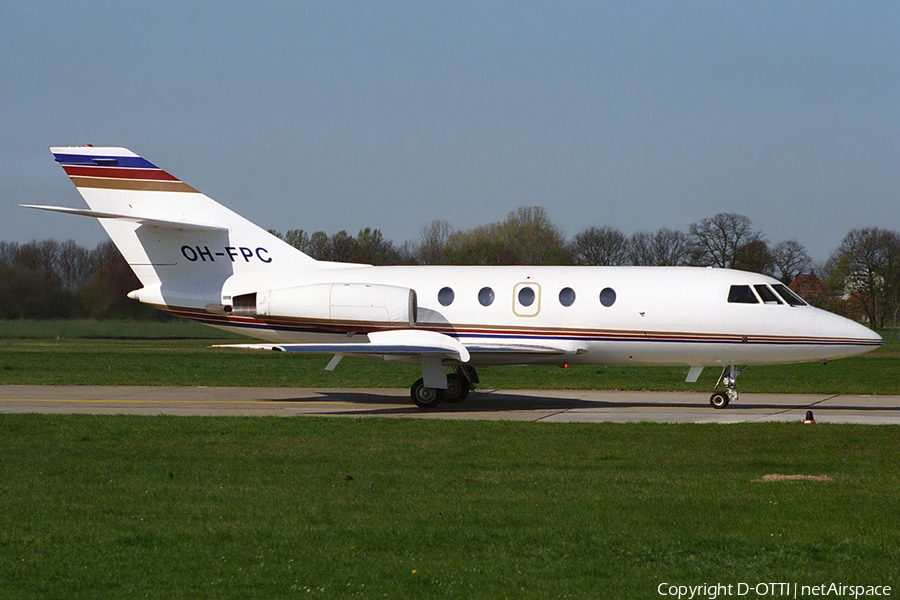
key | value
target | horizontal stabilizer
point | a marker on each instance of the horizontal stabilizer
(151, 221)
(396, 342)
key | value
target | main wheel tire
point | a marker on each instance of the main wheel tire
(719, 400)
(425, 397)
(457, 388)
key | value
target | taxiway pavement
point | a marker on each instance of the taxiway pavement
(514, 405)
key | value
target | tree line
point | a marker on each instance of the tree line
(861, 279)
(52, 280)
(528, 237)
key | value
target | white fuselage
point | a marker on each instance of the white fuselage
(677, 316)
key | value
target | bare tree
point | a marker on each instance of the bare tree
(433, 246)
(105, 294)
(42, 256)
(866, 268)
(74, 265)
(406, 254)
(8, 252)
(664, 248)
(790, 259)
(640, 253)
(600, 246)
(718, 242)
(755, 257)
(39, 280)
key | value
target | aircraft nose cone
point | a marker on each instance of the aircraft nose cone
(861, 332)
(874, 337)
(853, 337)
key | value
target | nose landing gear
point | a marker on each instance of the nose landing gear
(728, 378)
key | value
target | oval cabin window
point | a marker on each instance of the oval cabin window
(526, 296)
(608, 297)
(446, 296)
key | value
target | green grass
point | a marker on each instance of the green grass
(169, 507)
(176, 353)
(194, 362)
(108, 329)
(173, 507)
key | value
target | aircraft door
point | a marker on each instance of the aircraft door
(527, 299)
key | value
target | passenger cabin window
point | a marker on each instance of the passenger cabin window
(445, 296)
(567, 296)
(608, 297)
(526, 296)
(789, 296)
(767, 295)
(741, 294)
(486, 296)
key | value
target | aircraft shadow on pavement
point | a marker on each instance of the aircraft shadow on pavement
(476, 401)
(499, 401)
(493, 401)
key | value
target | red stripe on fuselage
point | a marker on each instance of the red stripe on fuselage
(597, 335)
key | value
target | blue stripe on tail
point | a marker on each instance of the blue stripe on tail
(134, 162)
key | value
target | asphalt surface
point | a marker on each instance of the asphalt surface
(588, 406)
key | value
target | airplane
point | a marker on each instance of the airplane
(199, 260)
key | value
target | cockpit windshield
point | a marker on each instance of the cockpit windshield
(767, 295)
(742, 294)
(789, 296)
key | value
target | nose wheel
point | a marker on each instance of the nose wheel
(719, 400)
(728, 378)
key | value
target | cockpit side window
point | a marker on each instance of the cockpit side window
(767, 295)
(789, 296)
(742, 294)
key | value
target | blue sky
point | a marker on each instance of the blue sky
(343, 115)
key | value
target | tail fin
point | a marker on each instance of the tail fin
(181, 244)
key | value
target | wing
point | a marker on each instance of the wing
(400, 343)
(427, 348)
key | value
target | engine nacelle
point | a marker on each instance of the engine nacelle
(372, 303)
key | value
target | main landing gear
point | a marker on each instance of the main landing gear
(728, 378)
(459, 384)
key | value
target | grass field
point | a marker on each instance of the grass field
(179, 353)
(177, 507)
(109, 329)
(191, 507)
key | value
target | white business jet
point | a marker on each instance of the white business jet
(199, 260)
